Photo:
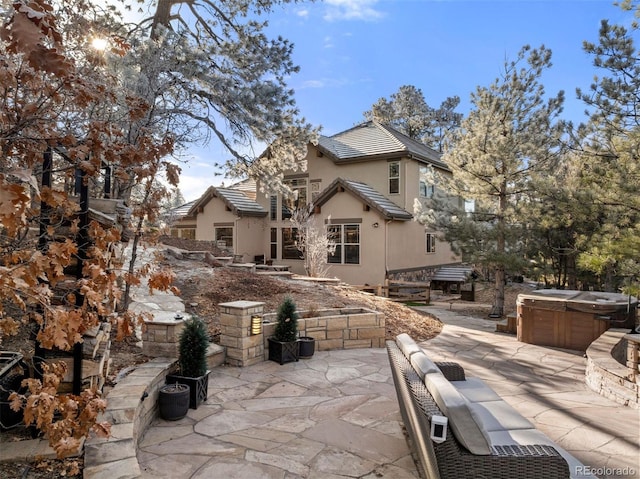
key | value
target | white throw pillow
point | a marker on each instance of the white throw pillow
(423, 365)
(407, 345)
(456, 408)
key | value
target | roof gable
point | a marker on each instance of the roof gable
(375, 200)
(182, 210)
(373, 140)
(238, 202)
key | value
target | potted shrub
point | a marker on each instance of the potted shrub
(192, 361)
(173, 401)
(283, 345)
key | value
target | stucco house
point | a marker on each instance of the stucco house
(362, 184)
(228, 216)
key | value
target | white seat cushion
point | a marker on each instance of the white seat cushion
(456, 408)
(497, 416)
(475, 390)
(423, 365)
(407, 345)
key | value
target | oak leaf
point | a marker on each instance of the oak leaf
(9, 326)
(66, 446)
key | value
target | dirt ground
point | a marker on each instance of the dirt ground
(204, 285)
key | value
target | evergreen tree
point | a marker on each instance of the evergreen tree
(611, 142)
(408, 112)
(193, 344)
(287, 321)
(562, 220)
(511, 136)
(214, 73)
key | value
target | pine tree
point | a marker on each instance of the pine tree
(511, 135)
(408, 112)
(610, 142)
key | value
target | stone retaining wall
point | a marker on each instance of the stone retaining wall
(131, 407)
(344, 328)
(605, 375)
(132, 403)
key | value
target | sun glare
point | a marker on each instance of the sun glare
(99, 43)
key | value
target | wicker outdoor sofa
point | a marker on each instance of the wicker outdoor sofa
(485, 437)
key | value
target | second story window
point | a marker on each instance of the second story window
(427, 182)
(297, 199)
(315, 189)
(394, 177)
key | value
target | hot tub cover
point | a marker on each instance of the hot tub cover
(572, 300)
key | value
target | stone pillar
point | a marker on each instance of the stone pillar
(243, 347)
(160, 335)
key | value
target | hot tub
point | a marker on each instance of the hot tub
(572, 319)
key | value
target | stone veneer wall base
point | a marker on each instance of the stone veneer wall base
(608, 377)
(131, 407)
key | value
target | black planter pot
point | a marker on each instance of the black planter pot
(173, 401)
(283, 352)
(307, 346)
(199, 387)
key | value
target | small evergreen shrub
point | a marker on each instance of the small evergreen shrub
(287, 322)
(194, 341)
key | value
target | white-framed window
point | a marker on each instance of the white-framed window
(430, 240)
(188, 233)
(298, 198)
(469, 206)
(394, 177)
(315, 189)
(347, 240)
(427, 181)
(289, 247)
(224, 236)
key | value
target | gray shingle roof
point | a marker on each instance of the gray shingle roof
(238, 202)
(372, 139)
(375, 200)
(182, 210)
(455, 274)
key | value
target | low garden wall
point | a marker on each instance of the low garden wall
(131, 407)
(132, 403)
(606, 372)
(342, 328)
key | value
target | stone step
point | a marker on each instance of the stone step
(216, 355)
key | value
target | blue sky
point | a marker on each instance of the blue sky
(353, 52)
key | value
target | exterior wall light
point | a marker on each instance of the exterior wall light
(256, 325)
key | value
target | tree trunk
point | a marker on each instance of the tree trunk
(498, 299)
(609, 277)
(501, 246)
(572, 274)
(162, 16)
